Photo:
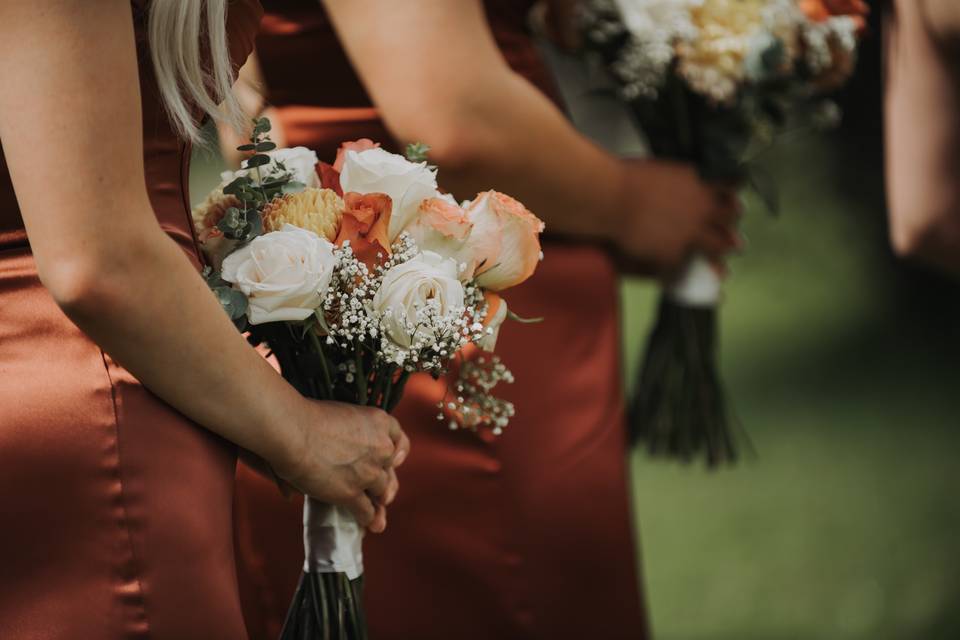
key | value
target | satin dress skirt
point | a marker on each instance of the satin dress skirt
(115, 510)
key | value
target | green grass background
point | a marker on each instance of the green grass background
(843, 366)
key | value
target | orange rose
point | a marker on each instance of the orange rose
(357, 145)
(366, 219)
(329, 178)
(820, 10)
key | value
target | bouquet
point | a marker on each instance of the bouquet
(713, 82)
(356, 275)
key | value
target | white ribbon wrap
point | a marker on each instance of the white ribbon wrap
(700, 285)
(332, 540)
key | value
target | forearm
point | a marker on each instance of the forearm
(147, 307)
(528, 149)
(451, 89)
(923, 138)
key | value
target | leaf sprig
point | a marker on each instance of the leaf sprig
(244, 223)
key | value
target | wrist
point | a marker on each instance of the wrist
(284, 440)
(614, 201)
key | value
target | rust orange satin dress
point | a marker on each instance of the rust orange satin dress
(526, 535)
(115, 510)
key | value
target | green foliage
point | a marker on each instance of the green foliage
(234, 303)
(416, 152)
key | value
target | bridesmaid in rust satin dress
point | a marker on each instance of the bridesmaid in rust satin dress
(115, 508)
(525, 535)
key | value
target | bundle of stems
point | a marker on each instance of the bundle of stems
(329, 606)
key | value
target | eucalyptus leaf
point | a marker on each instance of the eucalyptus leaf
(237, 187)
(246, 147)
(416, 152)
(267, 145)
(261, 125)
(232, 301)
(256, 161)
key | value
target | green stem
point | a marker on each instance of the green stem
(388, 388)
(361, 377)
(323, 362)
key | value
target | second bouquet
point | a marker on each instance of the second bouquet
(357, 275)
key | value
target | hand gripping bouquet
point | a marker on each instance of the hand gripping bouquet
(356, 275)
(713, 82)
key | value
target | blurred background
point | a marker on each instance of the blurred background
(843, 364)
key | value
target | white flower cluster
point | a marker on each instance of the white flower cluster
(715, 46)
(830, 44)
(474, 404)
(399, 309)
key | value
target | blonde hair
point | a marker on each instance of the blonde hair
(191, 61)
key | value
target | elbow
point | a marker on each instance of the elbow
(77, 285)
(930, 236)
(458, 133)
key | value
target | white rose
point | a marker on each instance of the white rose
(378, 171)
(298, 161)
(427, 280)
(284, 274)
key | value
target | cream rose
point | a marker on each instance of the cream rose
(378, 171)
(427, 280)
(442, 227)
(284, 274)
(506, 240)
(298, 161)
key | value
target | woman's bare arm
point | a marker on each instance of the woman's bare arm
(71, 130)
(923, 130)
(437, 76)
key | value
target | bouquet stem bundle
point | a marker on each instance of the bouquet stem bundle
(326, 605)
(678, 407)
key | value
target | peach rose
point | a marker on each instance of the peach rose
(365, 221)
(443, 227)
(357, 145)
(505, 239)
(496, 314)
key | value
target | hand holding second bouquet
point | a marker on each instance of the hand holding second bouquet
(670, 213)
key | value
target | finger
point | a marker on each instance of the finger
(729, 235)
(401, 443)
(379, 522)
(715, 245)
(378, 486)
(403, 449)
(727, 209)
(363, 509)
(393, 486)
